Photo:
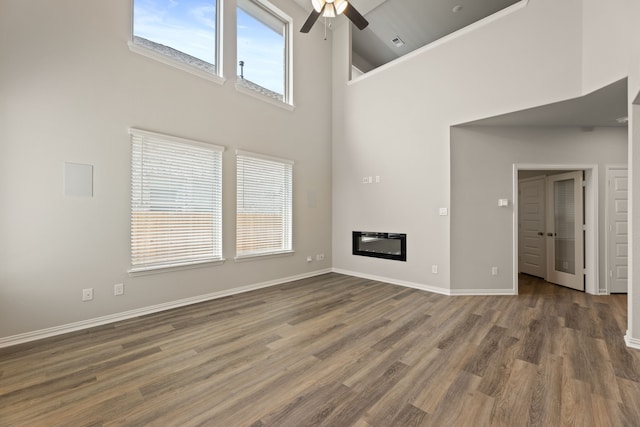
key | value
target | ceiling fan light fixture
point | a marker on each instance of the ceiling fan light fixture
(318, 4)
(340, 6)
(329, 10)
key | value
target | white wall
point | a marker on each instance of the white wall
(482, 160)
(69, 90)
(607, 30)
(394, 122)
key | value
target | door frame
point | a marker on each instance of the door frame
(591, 245)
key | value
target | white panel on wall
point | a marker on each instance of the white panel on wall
(78, 180)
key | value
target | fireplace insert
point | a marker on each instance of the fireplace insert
(380, 245)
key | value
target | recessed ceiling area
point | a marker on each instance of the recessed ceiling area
(415, 23)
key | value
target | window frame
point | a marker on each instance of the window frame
(241, 257)
(216, 77)
(217, 226)
(287, 101)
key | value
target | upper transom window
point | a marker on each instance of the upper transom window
(184, 32)
(263, 48)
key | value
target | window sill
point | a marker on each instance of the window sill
(245, 258)
(143, 271)
(240, 87)
(150, 53)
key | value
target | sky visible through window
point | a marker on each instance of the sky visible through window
(262, 50)
(190, 27)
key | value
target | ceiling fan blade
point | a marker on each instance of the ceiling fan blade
(313, 17)
(355, 17)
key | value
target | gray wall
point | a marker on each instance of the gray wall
(482, 160)
(69, 90)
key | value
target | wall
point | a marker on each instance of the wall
(605, 53)
(394, 122)
(69, 90)
(482, 160)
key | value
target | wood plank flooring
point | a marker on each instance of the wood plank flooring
(336, 350)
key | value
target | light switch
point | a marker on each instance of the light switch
(444, 211)
(503, 203)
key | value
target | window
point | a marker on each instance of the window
(263, 49)
(176, 215)
(181, 33)
(264, 200)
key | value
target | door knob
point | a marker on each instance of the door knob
(540, 233)
(550, 234)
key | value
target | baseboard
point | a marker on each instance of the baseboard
(111, 318)
(481, 292)
(632, 342)
(434, 289)
(428, 288)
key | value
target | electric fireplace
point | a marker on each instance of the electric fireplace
(380, 245)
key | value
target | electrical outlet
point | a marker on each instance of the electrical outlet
(309, 258)
(494, 271)
(434, 269)
(320, 257)
(118, 289)
(87, 294)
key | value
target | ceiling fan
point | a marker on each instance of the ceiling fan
(331, 9)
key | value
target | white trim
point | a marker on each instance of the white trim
(256, 257)
(149, 53)
(591, 219)
(461, 32)
(264, 157)
(111, 318)
(164, 137)
(427, 288)
(481, 292)
(434, 289)
(632, 342)
(255, 94)
(164, 268)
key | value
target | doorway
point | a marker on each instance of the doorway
(556, 257)
(550, 227)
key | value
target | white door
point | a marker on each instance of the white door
(531, 240)
(565, 235)
(617, 230)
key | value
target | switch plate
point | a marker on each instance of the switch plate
(309, 258)
(87, 294)
(434, 269)
(494, 271)
(320, 257)
(118, 289)
(503, 203)
(444, 211)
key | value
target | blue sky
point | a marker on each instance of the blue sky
(189, 26)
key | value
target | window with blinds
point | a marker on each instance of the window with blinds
(176, 203)
(264, 205)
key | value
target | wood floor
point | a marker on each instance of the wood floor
(338, 351)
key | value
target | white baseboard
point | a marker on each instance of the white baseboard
(481, 292)
(434, 289)
(428, 288)
(103, 320)
(632, 342)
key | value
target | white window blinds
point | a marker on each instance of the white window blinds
(264, 205)
(176, 212)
